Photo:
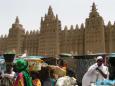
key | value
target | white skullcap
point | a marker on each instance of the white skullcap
(99, 57)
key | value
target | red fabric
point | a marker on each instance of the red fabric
(19, 78)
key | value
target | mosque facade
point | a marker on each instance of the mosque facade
(89, 38)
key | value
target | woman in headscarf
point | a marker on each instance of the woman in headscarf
(23, 78)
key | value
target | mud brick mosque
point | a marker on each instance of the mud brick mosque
(92, 37)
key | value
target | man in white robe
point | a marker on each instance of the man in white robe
(95, 72)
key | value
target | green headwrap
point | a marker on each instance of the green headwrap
(22, 66)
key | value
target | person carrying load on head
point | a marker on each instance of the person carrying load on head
(7, 77)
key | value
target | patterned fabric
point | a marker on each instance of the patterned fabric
(22, 67)
(20, 80)
(6, 82)
(36, 82)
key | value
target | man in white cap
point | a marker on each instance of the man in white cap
(97, 71)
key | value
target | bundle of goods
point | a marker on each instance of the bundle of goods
(9, 58)
(58, 70)
(34, 64)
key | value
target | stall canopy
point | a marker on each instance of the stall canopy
(40, 57)
(65, 55)
(112, 59)
(27, 57)
(111, 55)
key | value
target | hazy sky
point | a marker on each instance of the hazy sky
(70, 12)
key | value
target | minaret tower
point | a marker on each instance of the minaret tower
(16, 36)
(49, 34)
(94, 33)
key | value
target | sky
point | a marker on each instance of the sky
(70, 12)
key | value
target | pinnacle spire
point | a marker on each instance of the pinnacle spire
(50, 12)
(82, 25)
(94, 12)
(17, 20)
(41, 19)
(71, 27)
(94, 7)
(77, 27)
(109, 23)
(65, 28)
(56, 16)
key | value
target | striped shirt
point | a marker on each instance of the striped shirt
(6, 82)
(7, 79)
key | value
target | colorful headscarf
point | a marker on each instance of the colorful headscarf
(22, 67)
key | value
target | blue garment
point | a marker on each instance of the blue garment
(53, 81)
(49, 82)
(105, 82)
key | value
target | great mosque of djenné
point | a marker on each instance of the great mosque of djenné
(92, 37)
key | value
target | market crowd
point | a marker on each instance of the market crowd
(35, 72)
(18, 73)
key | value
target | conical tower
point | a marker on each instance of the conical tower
(16, 36)
(50, 12)
(17, 20)
(94, 32)
(94, 12)
(49, 34)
